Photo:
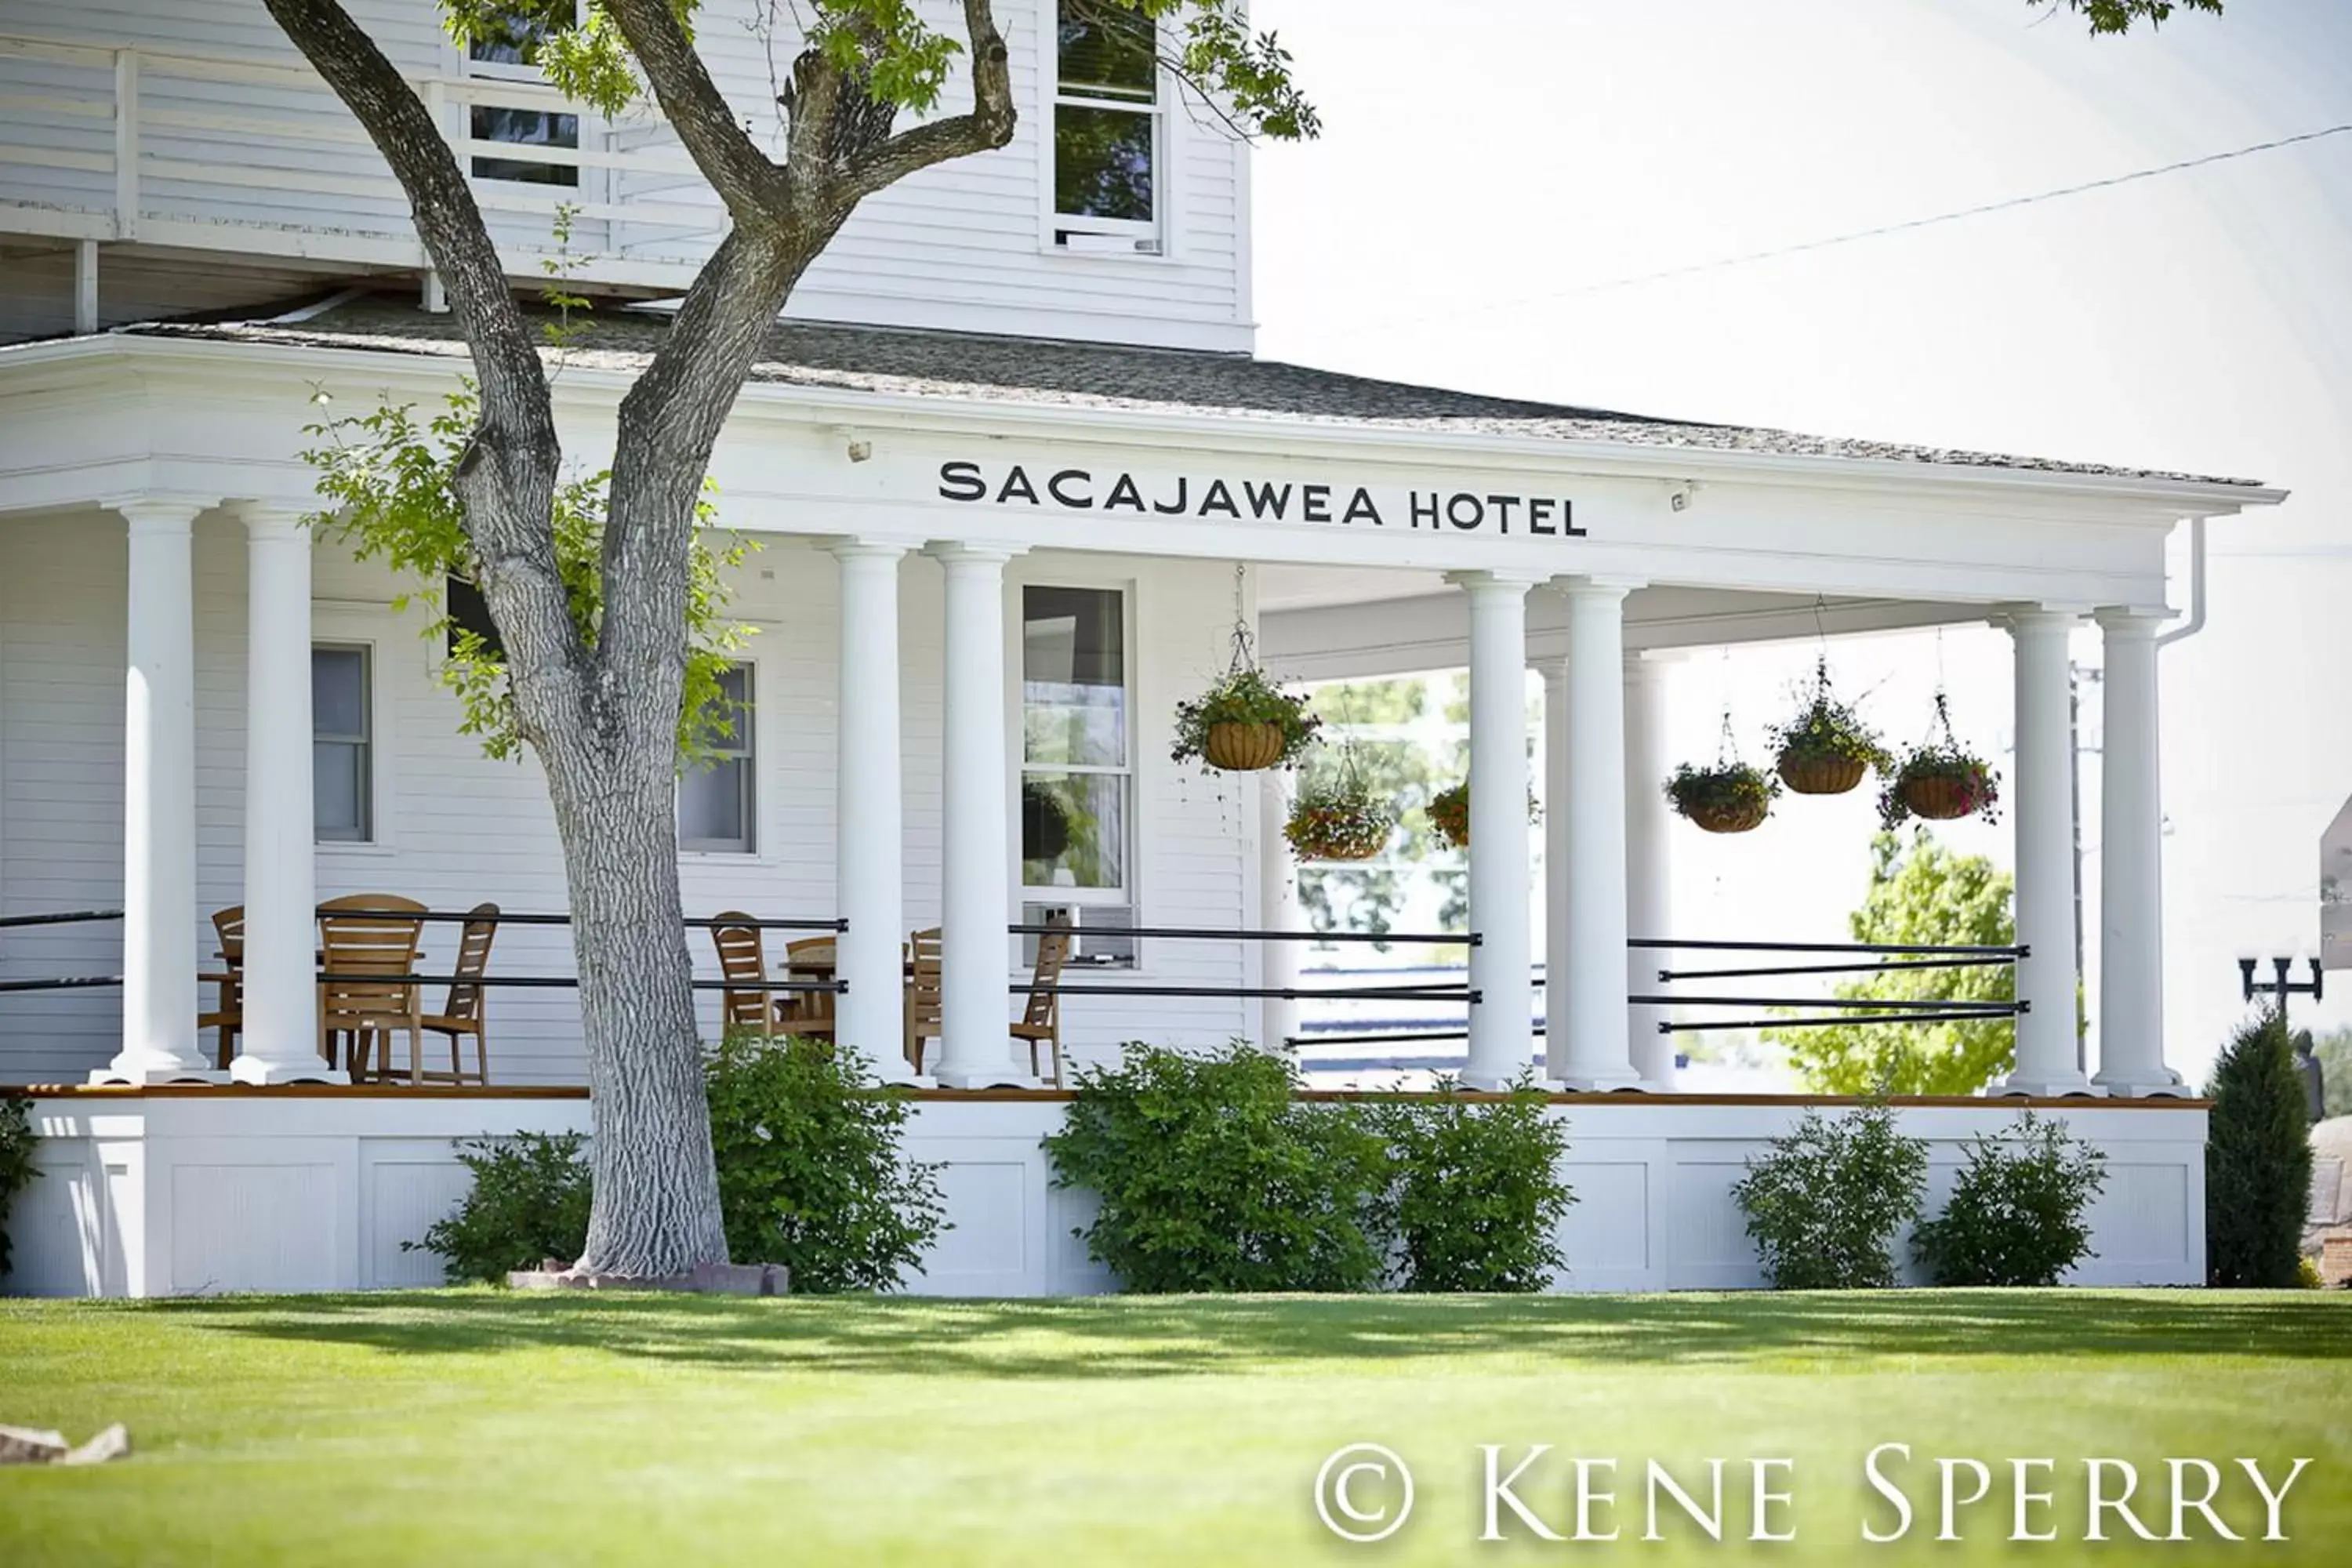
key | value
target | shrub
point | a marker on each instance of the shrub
(1827, 728)
(1212, 1177)
(810, 1174)
(2015, 1215)
(1824, 1205)
(2257, 1160)
(1339, 819)
(1726, 794)
(529, 1202)
(16, 1164)
(1473, 1193)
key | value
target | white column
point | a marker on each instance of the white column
(1555, 829)
(2043, 809)
(868, 864)
(1278, 910)
(1501, 970)
(159, 800)
(2131, 858)
(975, 877)
(1594, 1053)
(1648, 889)
(279, 1042)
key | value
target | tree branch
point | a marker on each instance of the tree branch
(990, 123)
(747, 179)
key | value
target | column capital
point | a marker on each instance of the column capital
(1585, 585)
(159, 513)
(2016, 619)
(961, 551)
(271, 519)
(861, 548)
(2132, 622)
(1512, 580)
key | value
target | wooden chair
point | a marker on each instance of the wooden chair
(1041, 1020)
(748, 1002)
(922, 995)
(228, 1008)
(366, 1013)
(810, 1012)
(462, 1013)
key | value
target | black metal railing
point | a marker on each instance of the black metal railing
(1864, 958)
(1442, 991)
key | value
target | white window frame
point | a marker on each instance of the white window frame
(751, 745)
(377, 629)
(1131, 895)
(1126, 240)
(590, 188)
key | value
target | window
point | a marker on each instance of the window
(1077, 774)
(502, 56)
(343, 770)
(716, 797)
(1106, 130)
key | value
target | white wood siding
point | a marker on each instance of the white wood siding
(274, 167)
(456, 829)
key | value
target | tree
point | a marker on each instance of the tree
(1923, 895)
(598, 697)
(2257, 1159)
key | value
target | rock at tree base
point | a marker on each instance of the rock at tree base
(708, 1279)
(24, 1446)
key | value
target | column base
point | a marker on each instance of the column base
(1627, 1081)
(983, 1077)
(148, 1074)
(2159, 1083)
(262, 1070)
(2069, 1086)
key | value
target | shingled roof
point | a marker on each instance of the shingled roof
(1036, 371)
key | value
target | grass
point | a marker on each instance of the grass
(472, 1426)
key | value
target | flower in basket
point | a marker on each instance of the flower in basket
(1449, 814)
(1339, 820)
(1941, 782)
(1827, 748)
(1729, 797)
(1244, 722)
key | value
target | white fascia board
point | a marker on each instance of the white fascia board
(592, 391)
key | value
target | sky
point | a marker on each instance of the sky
(1484, 187)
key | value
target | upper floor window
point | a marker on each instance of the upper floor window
(503, 53)
(1107, 131)
(717, 796)
(1077, 767)
(342, 737)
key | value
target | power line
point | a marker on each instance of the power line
(1803, 247)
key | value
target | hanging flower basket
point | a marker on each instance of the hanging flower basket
(1940, 781)
(1729, 797)
(1449, 814)
(1244, 723)
(1827, 748)
(1338, 821)
(1940, 784)
(1044, 823)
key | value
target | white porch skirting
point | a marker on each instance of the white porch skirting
(205, 1190)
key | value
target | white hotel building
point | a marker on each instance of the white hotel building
(1010, 436)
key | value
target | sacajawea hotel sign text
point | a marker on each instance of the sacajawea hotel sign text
(1255, 500)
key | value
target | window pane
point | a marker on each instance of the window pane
(531, 128)
(1102, 163)
(1073, 830)
(1074, 677)
(503, 39)
(1100, 941)
(470, 611)
(338, 791)
(734, 702)
(338, 692)
(1108, 54)
(714, 806)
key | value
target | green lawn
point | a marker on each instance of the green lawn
(461, 1427)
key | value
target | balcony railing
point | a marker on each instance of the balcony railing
(183, 149)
